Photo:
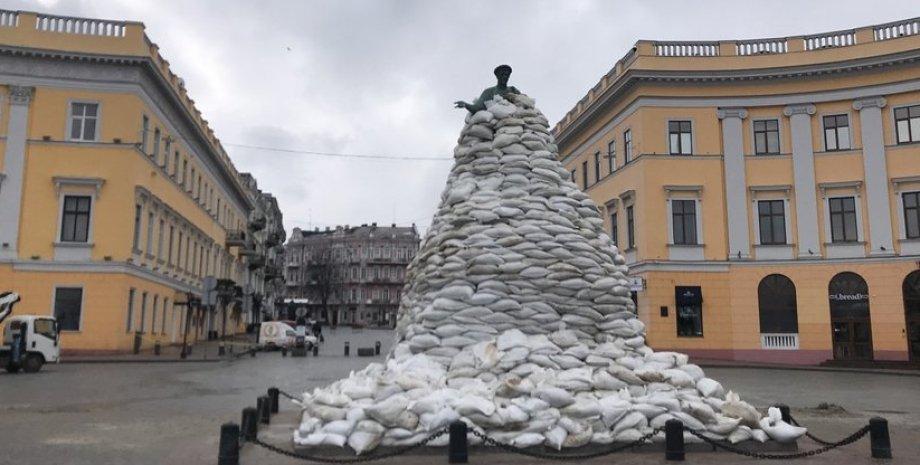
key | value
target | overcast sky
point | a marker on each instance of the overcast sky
(379, 77)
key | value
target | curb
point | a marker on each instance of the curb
(110, 360)
(865, 371)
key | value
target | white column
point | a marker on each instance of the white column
(803, 165)
(739, 244)
(873, 142)
(14, 160)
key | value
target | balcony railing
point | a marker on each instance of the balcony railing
(779, 341)
(83, 26)
(9, 18)
(830, 40)
(236, 238)
(908, 27)
(687, 49)
(761, 47)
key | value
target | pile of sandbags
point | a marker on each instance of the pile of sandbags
(516, 318)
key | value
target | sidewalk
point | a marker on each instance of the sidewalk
(203, 351)
(712, 363)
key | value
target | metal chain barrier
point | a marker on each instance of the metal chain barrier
(358, 459)
(761, 455)
(289, 396)
(551, 456)
(809, 435)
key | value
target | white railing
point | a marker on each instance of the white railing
(9, 18)
(830, 40)
(687, 49)
(84, 26)
(908, 27)
(779, 341)
(761, 47)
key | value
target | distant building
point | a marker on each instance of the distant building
(348, 275)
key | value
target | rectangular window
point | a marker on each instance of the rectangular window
(179, 252)
(614, 228)
(584, 174)
(160, 230)
(683, 221)
(175, 173)
(68, 303)
(911, 214)
(169, 252)
(184, 172)
(153, 316)
(137, 226)
(772, 218)
(597, 166)
(843, 219)
(191, 183)
(163, 321)
(630, 228)
(679, 139)
(689, 301)
(129, 321)
(150, 222)
(75, 218)
(145, 130)
(907, 124)
(573, 174)
(612, 156)
(627, 146)
(166, 150)
(84, 118)
(836, 133)
(143, 312)
(156, 144)
(766, 137)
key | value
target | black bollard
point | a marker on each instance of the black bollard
(784, 411)
(252, 352)
(674, 440)
(250, 423)
(229, 447)
(273, 393)
(156, 348)
(457, 447)
(878, 437)
(221, 350)
(346, 348)
(265, 410)
(377, 348)
(284, 351)
(316, 350)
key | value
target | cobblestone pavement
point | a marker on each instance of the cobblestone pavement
(162, 413)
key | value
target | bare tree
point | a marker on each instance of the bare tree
(323, 270)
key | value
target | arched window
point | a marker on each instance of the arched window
(851, 324)
(776, 299)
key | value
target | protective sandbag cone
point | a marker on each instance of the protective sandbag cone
(516, 317)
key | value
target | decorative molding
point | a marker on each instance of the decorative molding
(801, 109)
(869, 102)
(69, 181)
(896, 182)
(21, 95)
(628, 195)
(771, 188)
(736, 112)
(851, 185)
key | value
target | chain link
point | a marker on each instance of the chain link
(809, 435)
(761, 455)
(550, 456)
(358, 459)
(289, 396)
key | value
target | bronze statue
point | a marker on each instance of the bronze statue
(502, 72)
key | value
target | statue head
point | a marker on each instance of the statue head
(503, 72)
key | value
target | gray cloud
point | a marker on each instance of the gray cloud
(380, 76)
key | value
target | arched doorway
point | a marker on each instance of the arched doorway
(850, 323)
(779, 323)
(911, 290)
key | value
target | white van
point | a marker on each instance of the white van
(276, 334)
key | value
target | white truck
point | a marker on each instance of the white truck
(29, 341)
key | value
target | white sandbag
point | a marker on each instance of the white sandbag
(709, 387)
(528, 440)
(734, 407)
(779, 430)
(470, 404)
(629, 421)
(438, 420)
(555, 437)
(740, 434)
(613, 409)
(340, 427)
(362, 441)
(554, 396)
(388, 411)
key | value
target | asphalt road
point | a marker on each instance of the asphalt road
(169, 413)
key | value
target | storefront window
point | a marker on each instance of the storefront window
(689, 311)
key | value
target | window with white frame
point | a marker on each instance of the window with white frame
(836, 132)
(771, 215)
(84, 121)
(683, 221)
(680, 141)
(156, 144)
(842, 213)
(145, 132)
(766, 137)
(907, 124)
(612, 156)
(630, 228)
(137, 226)
(150, 221)
(75, 218)
(597, 166)
(68, 306)
(614, 228)
(627, 146)
(129, 319)
(911, 201)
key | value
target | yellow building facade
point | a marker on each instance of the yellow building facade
(765, 193)
(116, 198)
